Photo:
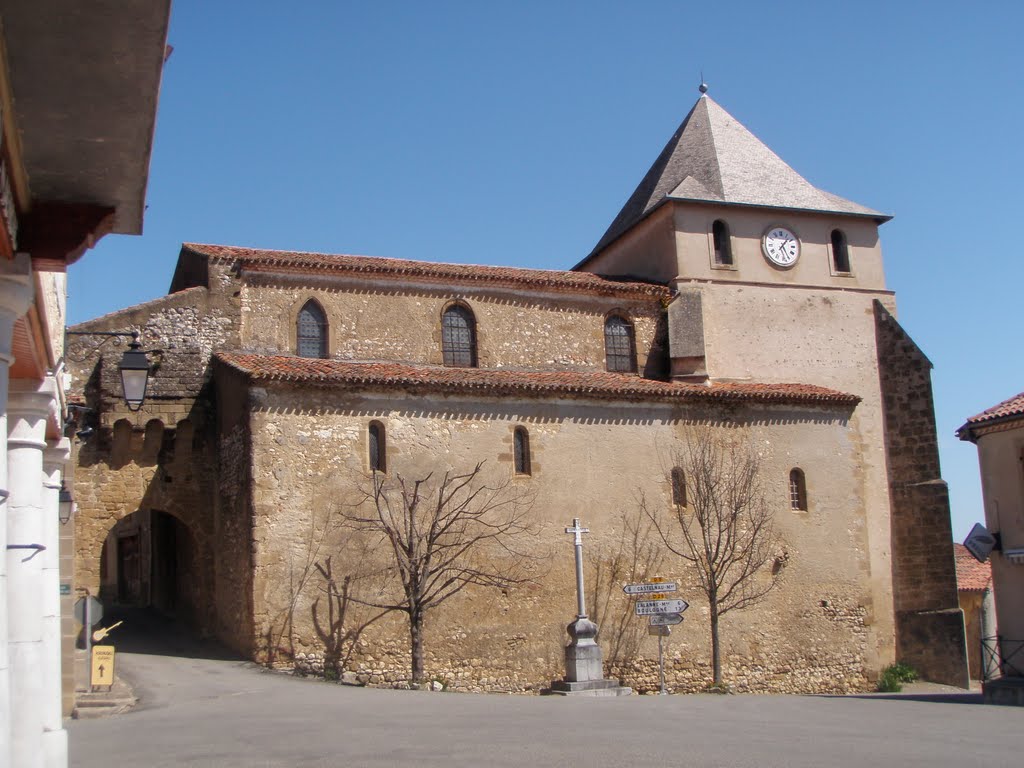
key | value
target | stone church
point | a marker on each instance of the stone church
(728, 291)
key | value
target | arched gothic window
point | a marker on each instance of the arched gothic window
(458, 337)
(619, 346)
(797, 490)
(678, 487)
(840, 253)
(377, 447)
(311, 331)
(521, 451)
(723, 248)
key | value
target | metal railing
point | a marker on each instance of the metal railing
(1002, 657)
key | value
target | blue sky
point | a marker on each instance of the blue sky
(512, 133)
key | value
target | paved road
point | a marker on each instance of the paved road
(225, 712)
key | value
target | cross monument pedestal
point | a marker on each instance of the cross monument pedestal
(584, 672)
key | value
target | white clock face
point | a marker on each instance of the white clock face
(781, 247)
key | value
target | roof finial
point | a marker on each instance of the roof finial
(703, 87)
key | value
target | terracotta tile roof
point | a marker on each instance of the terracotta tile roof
(1012, 407)
(405, 269)
(499, 381)
(971, 576)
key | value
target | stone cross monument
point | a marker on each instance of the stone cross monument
(583, 661)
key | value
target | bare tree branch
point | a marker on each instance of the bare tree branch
(442, 536)
(725, 530)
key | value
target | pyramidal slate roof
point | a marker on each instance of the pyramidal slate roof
(713, 158)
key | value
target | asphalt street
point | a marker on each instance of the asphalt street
(197, 709)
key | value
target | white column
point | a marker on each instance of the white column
(27, 410)
(15, 297)
(55, 738)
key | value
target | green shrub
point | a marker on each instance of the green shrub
(894, 676)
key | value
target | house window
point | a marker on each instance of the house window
(797, 491)
(678, 487)
(458, 337)
(311, 333)
(619, 347)
(723, 248)
(521, 451)
(840, 253)
(378, 448)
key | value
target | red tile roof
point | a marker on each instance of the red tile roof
(403, 269)
(1012, 407)
(971, 576)
(500, 381)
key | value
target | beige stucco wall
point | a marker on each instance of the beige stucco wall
(695, 247)
(402, 322)
(590, 460)
(1000, 453)
(647, 251)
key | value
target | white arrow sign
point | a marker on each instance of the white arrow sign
(653, 607)
(665, 620)
(649, 587)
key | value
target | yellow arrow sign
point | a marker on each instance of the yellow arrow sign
(102, 665)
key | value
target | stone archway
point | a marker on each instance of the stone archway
(149, 559)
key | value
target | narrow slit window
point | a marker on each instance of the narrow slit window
(522, 451)
(458, 337)
(723, 248)
(840, 252)
(311, 334)
(619, 345)
(797, 491)
(378, 449)
(678, 487)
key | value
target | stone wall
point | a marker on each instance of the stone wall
(590, 460)
(161, 460)
(515, 329)
(929, 636)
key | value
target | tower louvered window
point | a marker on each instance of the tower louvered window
(619, 347)
(840, 253)
(723, 247)
(458, 337)
(311, 335)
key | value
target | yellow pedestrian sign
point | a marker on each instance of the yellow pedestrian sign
(102, 665)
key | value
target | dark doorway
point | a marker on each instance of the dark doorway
(171, 565)
(129, 583)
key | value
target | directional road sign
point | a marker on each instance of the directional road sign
(659, 630)
(652, 607)
(102, 665)
(665, 619)
(649, 587)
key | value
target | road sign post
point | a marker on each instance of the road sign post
(661, 663)
(663, 614)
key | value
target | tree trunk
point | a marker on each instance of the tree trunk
(416, 635)
(716, 656)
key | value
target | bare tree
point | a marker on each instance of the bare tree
(441, 537)
(636, 555)
(721, 522)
